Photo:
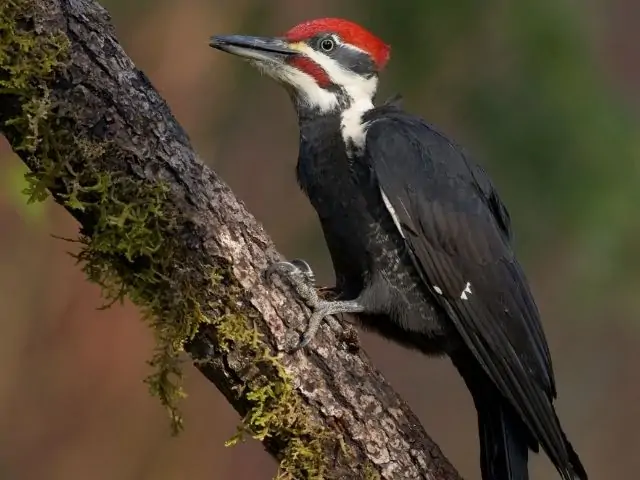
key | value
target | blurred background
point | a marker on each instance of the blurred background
(545, 92)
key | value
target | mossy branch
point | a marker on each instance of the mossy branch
(158, 227)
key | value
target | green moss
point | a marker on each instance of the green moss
(130, 252)
(274, 409)
(370, 472)
(125, 220)
(27, 63)
(131, 245)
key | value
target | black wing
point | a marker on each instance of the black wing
(458, 231)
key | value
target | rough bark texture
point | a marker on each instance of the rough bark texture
(93, 111)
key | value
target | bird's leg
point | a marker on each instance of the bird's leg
(299, 275)
(328, 293)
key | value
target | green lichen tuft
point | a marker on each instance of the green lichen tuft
(129, 248)
(28, 61)
(275, 411)
(370, 472)
(130, 252)
(126, 243)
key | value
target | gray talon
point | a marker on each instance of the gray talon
(299, 275)
(281, 268)
(298, 278)
(305, 269)
(289, 270)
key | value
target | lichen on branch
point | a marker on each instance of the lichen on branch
(130, 245)
(28, 61)
(124, 220)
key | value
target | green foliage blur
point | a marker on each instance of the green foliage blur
(532, 96)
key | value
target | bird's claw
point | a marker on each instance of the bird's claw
(299, 275)
(320, 313)
(296, 267)
(305, 269)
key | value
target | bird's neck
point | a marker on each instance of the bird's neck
(352, 126)
(346, 118)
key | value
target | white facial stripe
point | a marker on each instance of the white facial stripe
(359, 89)
(310, 92)
(353, 47)
(339, 41)
(354, 131)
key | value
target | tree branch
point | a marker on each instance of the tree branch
(158, 226)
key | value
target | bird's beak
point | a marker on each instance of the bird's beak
(253, 48)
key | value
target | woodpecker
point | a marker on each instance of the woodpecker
(420, 241)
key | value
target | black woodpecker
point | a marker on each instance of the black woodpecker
(419, 238)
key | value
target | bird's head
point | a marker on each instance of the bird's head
(325, 64)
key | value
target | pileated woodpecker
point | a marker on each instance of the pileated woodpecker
(419, 238)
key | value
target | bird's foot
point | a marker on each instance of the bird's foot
(298, 274)
(300, 277)
(328, 293)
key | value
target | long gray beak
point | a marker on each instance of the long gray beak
(254, 48)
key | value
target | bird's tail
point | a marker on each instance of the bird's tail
(577, 469)
(504, 439)
(504, 450)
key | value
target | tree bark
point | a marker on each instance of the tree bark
(159, 226)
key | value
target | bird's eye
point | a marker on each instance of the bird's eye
(327, 44)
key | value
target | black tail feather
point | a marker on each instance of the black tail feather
(505, 440)
(504, 449)
(576, 465)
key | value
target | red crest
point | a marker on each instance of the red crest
(349, 32)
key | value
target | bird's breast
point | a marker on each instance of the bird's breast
(360, 233)
(368, 252)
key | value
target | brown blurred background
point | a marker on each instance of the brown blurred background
(544, 91)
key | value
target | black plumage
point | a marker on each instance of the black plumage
(452, 232)
(419, 238)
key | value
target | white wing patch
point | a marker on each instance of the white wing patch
(392, 212)
(467, 290)
(437, 289)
